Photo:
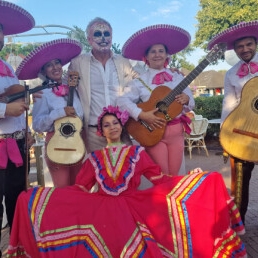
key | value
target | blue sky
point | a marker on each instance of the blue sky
(125, 16)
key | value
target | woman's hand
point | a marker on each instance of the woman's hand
(182, 98)
(70, 111)
(150, 118)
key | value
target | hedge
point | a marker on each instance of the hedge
(210, 107)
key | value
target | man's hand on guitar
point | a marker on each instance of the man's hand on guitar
(15, 108)
(70, 111)
(182, 98)
(151, 119)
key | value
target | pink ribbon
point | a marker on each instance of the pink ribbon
(245, 69)
(185, 120)
(9, 150)
(5, 70)
(160, 78)
(61, 90)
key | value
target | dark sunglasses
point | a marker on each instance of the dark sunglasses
(100, 34)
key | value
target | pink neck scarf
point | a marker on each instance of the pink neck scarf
(160, 78)
(61, 90)
(5, 70)
(9, 150)
(245, 69)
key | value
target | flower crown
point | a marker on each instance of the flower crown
(120, 115)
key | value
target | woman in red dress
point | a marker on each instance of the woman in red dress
(180, 216)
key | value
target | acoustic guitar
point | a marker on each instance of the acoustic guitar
(66, 145)
(239, 131)
(163, 98)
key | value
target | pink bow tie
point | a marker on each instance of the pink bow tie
(61, 90)
(5, 70)
(160, 78)
(245, 69)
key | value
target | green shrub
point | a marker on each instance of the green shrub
(209, 107)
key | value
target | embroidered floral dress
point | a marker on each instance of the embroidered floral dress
(190, 216)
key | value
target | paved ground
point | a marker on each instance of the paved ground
(212, 163)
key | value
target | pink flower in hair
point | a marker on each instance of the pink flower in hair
(121, 115)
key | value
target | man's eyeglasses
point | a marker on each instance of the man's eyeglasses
(100, 34)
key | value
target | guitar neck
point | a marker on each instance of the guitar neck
(19, 95)
(70, 97)
(186, 81)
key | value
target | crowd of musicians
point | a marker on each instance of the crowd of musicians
(90, 115)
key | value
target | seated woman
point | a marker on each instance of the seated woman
(190, 216)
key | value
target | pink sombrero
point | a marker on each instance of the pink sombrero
(175, 38)
(230, 35)
(63, 49)
(14, 18)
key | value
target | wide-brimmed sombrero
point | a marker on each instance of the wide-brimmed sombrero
(63, 49)
(14, 18)
(175, 38)
(230, 35)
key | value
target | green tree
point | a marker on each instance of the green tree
(79, 35)
(17, 49)
(215, 16)
(116, 48)
(179, 60)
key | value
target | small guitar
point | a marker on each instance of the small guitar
(17, 91)
(239, 131)
(163, 98)
(66, 145)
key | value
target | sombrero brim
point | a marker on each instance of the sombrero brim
(63, 49)
(15, 19)
(175, 38)
(230, 35)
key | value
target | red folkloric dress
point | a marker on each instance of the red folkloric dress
(182, 216)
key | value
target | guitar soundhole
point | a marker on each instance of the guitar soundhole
(255, 105)
(162, 107)
(67, 129)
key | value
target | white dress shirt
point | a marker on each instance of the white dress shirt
(50, 107)
(9, 124)
(105, 87)
(233, 86)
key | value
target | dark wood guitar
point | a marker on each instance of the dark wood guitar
(239, 131)
(163, 98)
(66, 145)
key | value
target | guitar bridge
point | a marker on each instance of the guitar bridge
(167, 117)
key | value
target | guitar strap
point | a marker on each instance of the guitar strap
(145, 84)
